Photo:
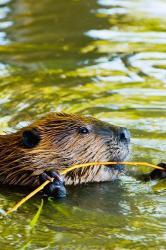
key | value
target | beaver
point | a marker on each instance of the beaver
(58, 140)
(39, 151)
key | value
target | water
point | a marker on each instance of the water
(103, 58)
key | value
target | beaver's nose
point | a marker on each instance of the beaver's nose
(124, 134)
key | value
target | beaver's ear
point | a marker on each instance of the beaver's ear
(30, 138)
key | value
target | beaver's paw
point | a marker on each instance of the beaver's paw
(157, 173)
(56, 188)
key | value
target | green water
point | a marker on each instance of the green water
(106, 58)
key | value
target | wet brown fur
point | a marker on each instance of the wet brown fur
(60, 146)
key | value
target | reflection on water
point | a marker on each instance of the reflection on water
(103, 58)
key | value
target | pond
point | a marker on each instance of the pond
(101, 58)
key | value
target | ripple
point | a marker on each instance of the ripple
(150, 63)
(146, 7)
(151, 143)
(130, 37)
(102, 58)
(112, 11)
(4, 70)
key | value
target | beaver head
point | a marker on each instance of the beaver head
(60, 140)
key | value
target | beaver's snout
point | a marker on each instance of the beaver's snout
(119, 134)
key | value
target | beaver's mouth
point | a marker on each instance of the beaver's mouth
(120, 157)
(119, 167)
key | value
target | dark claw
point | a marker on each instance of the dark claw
(44, 177)
(55, 175)
(56, 188)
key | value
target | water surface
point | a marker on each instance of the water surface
(102, 58)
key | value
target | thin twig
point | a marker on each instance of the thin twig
(65, 171)
(27, 197)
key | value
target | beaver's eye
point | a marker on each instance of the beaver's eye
(84, 130)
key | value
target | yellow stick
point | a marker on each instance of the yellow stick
(65, 171)
(27, 197)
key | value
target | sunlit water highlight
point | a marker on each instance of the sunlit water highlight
(102, 58)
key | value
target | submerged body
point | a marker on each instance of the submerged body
(60, 140)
